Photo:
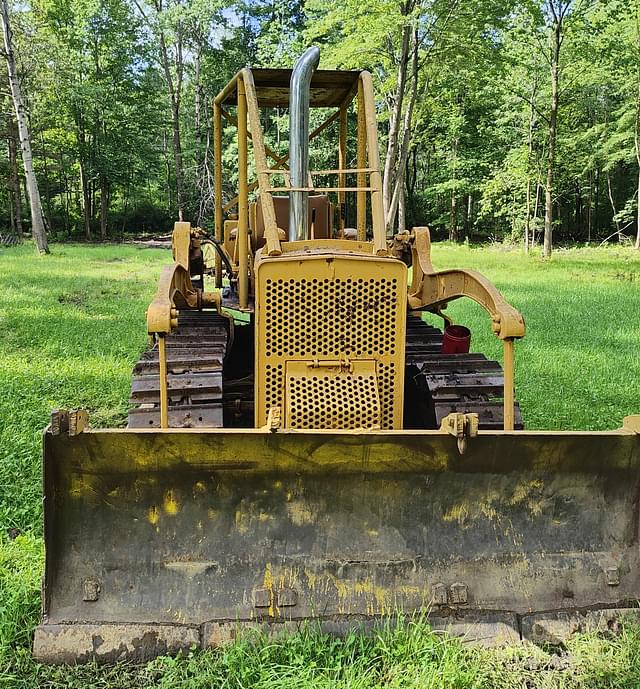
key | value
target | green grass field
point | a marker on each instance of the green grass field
(71, 327)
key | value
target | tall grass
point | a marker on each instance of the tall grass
(72, 325)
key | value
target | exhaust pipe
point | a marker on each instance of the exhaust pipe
(299, 142)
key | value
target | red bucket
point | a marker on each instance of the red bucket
(456, 340)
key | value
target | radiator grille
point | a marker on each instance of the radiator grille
(310, 318)
(318, 309)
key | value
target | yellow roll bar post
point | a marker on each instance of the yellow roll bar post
(361, 196)
(217, 163)
(509, 384)
(164, 395)
(243, 203)
(373, 156)
(268, 209)
(342, 164)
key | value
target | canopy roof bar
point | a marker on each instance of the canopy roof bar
(329, 88)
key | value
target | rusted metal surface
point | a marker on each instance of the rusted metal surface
(110, 643)
(454, 383)
(186, 527)
(195, 357)
(107, 643)
(329, 88)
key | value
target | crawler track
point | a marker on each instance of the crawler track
(207, 390)
(464, 383)
(195, 359)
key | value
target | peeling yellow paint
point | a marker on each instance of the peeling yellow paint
(373, 532)
(536, 507)
(380, 594)
(79, 485)
(199, 487)
(523, 491)
(300, 513)
(377, 599)
(456, 513)
(488, 510)
(170, 504)
(153, 515)
(267, 582)
(311, 579)
(211, 513)
(341, 587)
(242, 521)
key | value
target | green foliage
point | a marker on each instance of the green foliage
(478, 141)
(62, 345)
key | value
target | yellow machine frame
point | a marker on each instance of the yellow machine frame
(429, 290)
(247, 121)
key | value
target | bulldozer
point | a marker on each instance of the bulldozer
(303, 447)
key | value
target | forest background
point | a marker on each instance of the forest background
(498, 119)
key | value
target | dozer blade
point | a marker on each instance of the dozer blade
(159, 541)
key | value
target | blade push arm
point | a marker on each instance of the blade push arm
(431, 289)
(434, 290)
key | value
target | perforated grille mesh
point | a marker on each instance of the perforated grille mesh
(386, 379)
(314, 307)
(330, 317)
(274, 387)
(325, 401)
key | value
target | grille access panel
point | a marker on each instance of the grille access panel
(332, 396)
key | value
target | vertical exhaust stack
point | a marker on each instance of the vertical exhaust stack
(299, 142)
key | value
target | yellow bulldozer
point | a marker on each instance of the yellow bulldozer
(303, 447)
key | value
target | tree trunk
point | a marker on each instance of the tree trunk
(636, 141)
(67, 193)
(553, 124)
(453, 218)
(612, 201)
(637, 244)
(15, 194)
(590, 207)
(198, 100)
(596, 210)
(37, 221)
(402, 207)
(527, 222)
(399, 188)
(48, 215)
(395, 113)
(86, 201)
(174, 90)
(167, 166)
(468, 218)
(104, 205)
